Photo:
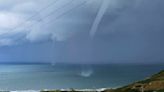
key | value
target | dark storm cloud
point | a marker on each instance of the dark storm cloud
(134, 34)
(129, 31)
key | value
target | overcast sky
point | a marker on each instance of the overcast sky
(82, 31)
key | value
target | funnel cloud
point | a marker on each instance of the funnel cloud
(99, 17)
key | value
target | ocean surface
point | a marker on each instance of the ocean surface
(63, 76)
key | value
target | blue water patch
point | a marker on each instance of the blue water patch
(47, 76)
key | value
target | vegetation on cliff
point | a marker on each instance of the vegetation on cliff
(153, 84)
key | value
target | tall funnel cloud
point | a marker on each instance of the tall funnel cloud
(99, 16)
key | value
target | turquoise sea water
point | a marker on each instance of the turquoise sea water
(47, 76)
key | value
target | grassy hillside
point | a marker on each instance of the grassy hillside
(153, 84)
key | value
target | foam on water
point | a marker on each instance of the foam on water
(26, 91)
(86, 73)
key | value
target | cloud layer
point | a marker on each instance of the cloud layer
(51, 20)
(32, 20)
(61, 19)
(129, 30)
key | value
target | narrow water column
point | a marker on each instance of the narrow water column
(99, 17)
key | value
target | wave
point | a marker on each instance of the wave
(25, 91)
(89, 90)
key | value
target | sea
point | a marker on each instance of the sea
(79, 76)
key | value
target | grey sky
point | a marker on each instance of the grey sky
(130, 31)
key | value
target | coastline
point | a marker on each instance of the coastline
(57, 90)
